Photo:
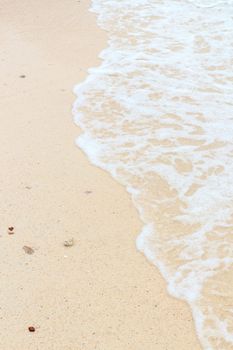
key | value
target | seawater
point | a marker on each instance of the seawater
(157, 114)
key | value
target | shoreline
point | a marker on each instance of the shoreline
(101, 293)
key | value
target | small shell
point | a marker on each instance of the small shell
(31, 329)
(28, 250)
(69, 242)
(10, 230)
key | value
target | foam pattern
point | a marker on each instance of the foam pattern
(157, 114)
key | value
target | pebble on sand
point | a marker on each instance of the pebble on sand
(10, 230)
(31, 329)
(28, 250)
(69, 242)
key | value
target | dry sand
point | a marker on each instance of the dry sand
(100, 293)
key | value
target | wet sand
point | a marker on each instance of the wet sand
(99, 293)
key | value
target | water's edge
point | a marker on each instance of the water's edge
(212, 331)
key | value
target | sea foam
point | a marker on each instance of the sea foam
(158, 115)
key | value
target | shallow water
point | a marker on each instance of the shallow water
(158, 115)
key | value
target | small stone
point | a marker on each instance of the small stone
(88, 192)
(22, 76)
(69, 242)
(10, 230)
(31, 329)
(28, 250)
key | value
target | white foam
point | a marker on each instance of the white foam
(158, 115)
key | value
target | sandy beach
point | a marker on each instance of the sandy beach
(100, 293)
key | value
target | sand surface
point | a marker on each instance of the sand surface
(100, 293)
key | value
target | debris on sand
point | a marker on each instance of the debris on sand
(69, 242)
(31, 329)
(10, 230)
(28, 250)
(88, 192)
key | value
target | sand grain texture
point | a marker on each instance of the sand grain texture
(100, 293)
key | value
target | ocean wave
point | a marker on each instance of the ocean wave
(158, 115)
